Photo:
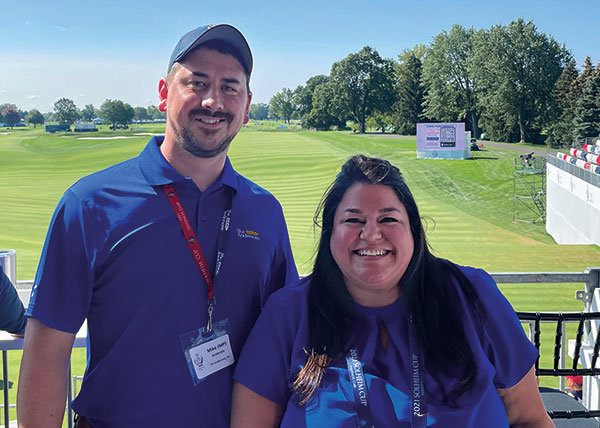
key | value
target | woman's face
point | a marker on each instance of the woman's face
(372, 243)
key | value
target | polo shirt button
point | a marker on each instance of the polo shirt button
(203, 218)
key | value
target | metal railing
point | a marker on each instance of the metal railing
(590, 277)
(9, 343)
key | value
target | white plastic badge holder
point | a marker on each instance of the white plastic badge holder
(207, 352)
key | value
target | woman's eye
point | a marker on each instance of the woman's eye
(388, 220)
(353, 220)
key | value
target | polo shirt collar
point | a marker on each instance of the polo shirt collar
(158, 171)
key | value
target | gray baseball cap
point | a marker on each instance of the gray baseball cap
(191, 40)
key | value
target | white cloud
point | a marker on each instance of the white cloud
(58, 27)
(32, 97)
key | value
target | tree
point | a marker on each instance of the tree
(452, 88)
(88, 113)
(303, 95)
(49, 117)
(140, 114)
(65, 111)
(517, 68)
(560, 130)
(155, 113)
(323, 115)
(11, 116)
(116, 112)
(408, 110)
(34, 117)
(3, 107)
(259, 111)
(579, 83)
(281, 105)
(586, 121)
(379, 121)
(362, 83)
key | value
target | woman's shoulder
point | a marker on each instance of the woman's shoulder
(485, 291)
(476, 275)
(490, 297)
(292, 296)
(481, 280)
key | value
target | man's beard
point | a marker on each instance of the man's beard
(185, 138)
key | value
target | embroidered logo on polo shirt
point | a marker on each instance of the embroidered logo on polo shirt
(248, 234)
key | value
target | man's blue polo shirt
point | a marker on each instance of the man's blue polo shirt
(115, 254)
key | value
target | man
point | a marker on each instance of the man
(122, 252)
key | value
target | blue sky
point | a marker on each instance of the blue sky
(90, 51)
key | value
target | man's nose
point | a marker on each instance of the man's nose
(213, 99)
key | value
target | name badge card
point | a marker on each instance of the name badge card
(207, 352)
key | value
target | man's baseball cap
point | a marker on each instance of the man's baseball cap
(225, 32)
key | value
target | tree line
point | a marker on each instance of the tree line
(511, 81)
(115, 112)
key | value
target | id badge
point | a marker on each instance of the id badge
(207, 352)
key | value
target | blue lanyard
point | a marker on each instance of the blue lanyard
(418, 408)
(359, 386)
(417, 385)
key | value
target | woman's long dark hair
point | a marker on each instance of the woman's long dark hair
(425, 287)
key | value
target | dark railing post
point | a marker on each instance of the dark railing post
(592, 283)
(6, 386)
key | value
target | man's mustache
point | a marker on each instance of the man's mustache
(216, 114)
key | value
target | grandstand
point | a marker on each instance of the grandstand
(573, 195)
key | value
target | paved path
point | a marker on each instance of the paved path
(542, 151)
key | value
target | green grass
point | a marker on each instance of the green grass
(467, 204)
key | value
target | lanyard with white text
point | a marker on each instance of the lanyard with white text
(418, 408)
(190, 237)
(359, 386)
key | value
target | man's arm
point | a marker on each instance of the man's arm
(42, 392)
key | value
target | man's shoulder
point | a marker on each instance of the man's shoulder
(253, 193)
(250, 188)
(115, 176)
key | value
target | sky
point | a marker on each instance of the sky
(90, 51)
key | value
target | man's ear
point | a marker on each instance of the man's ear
(163, 91)
(246, 116)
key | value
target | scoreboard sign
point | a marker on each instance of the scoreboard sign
(442, 141)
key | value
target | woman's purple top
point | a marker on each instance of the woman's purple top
(275, 352)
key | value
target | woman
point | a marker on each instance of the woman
(383, 333)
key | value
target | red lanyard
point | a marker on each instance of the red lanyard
(190, 237)
(197, 254)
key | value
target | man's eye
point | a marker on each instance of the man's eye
(229, 89)
(197, 84)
